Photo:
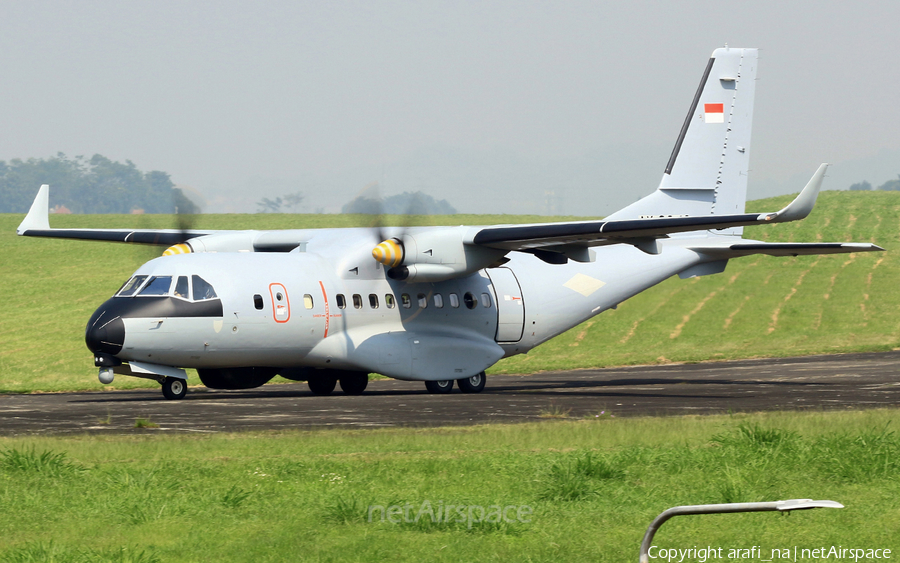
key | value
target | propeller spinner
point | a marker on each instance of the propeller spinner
(390, 252)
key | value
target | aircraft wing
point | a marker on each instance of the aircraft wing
(37, 224)
(640, 232)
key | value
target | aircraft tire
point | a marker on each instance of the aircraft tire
(354, 383)
(174, 388)
(439, 387)
(474, 384)
(322, 384)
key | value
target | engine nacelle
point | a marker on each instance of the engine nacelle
(240, 241)
(434, 255)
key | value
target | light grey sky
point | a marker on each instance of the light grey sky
(487, 104)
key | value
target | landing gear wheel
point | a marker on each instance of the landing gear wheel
(321, 385)
(472, 384)
(174, 388)
(440, 387)
(354, 383)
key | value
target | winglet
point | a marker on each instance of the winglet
(803, 204)
(38, 217)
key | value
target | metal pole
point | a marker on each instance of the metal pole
(779, 505)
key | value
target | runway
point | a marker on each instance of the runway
(848, 381)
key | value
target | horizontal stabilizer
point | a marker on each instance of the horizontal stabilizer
(785, 248)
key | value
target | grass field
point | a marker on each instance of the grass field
(587, 488)
(759, 306)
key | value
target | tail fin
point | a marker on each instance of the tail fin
(707, 171)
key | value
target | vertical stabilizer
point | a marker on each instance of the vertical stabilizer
(707, 171)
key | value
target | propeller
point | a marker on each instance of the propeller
(184, 223)
(389, 249)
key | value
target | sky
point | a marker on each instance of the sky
(498, 107)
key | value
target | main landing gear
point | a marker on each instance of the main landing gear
(174, 388)
(352, 382)
(474, 384)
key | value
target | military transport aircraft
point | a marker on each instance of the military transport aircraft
(433, 304)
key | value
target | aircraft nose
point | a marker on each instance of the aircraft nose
(105, 332)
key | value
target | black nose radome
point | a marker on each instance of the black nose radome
(105, 332)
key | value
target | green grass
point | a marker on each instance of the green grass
(759, 307)
(592, 485)
(144, 423)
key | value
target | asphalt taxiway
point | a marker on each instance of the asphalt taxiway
(846, 381)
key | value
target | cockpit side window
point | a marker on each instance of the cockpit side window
(158, 285)
(181, 288)
(131, 286)
(202, 289)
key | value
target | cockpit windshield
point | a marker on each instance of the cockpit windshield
(158, 285)
(202, 289)
(181, 288)
(131, 286)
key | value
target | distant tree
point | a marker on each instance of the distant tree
(289, 202)
(861, 186)
(891, 185)
(293, 201)
(183, 204)
(407, 203)
(267, 205)
(417, 203)
(363, 205)
(95, 185)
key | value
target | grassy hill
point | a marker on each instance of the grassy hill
(760, 306)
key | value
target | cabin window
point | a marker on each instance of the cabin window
(357, 301)
(373, 301)
(308, 301)
(438, 301)
(423, 301)
(131, 286)
(470, 300)
(181, 288)
(454, 300)
(486, 300)
(158, 285)
(202, 289)
(341, 301)
(258, 302)
(406, 301)
(389, 301)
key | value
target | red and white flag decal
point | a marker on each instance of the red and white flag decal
(715, 113)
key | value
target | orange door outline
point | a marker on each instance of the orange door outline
(281, 304)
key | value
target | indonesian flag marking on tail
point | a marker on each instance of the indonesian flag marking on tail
(715, 113)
